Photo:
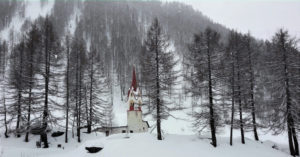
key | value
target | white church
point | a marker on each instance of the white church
(135, 122)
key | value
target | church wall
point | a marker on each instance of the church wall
(135, 122)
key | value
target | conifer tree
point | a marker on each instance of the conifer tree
(32, 42)
(3, 61)
(16, 77)
(159, 66)
(49, 70)
(249, 48)
(204, 58)
(99, 104)
(67, 80)
(78, 60)
(283, 86)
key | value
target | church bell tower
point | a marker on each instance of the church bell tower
(134, 113)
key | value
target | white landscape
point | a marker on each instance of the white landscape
(168, 78)
(179, 140)
(143, 144)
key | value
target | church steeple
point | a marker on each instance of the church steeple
(133, 82)
(134, 95)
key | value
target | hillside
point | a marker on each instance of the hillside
(117, 29)
(80, 66)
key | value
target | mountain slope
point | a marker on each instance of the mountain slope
(117, 30)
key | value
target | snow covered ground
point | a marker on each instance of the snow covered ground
(137, 145)
(180, 138)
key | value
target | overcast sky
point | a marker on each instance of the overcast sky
(261, 17)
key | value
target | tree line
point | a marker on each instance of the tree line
(246, 84)
(243, 82)
(43, 74)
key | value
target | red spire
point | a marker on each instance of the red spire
(133, 82)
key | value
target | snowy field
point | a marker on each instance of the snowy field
(138, 145)
(180, 140)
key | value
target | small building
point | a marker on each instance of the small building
(135, 122)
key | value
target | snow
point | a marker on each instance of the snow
(15, 25)
(73, 20)
(137, 145)
(33, 10)
(1, 151)
(119, 107)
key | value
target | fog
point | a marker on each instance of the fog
(261, 18)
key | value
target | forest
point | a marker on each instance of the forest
(52, 75)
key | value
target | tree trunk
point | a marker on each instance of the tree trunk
(295, 139)
(159, 137)
(210, 94)
(253, 117)
(47, 74)
(240, 105)
(19, 106)
(290, 126)
(89, 129)
(28, 116)
(252, 93)
(73, 124)
(86, 108)
(67, 96)
(77, 98)
(5, 118)
(232, 102)
(4, 103)
(158, 121)
(290, 137)
(76, 102)
(30, 89)
(20, 81)
(288, 106)
(79, 103)
(19, 111)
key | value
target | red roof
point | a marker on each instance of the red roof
(133, 82)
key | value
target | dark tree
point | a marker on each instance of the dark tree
(3, 61)
(49, 65)
(159, 65)
(205, 74)
(32, 43)
(231, 71)
(283, 87)
(237, 79)
(99, 106)
(67, 43)
(16, 77)
(249, 48)
(78, 61)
